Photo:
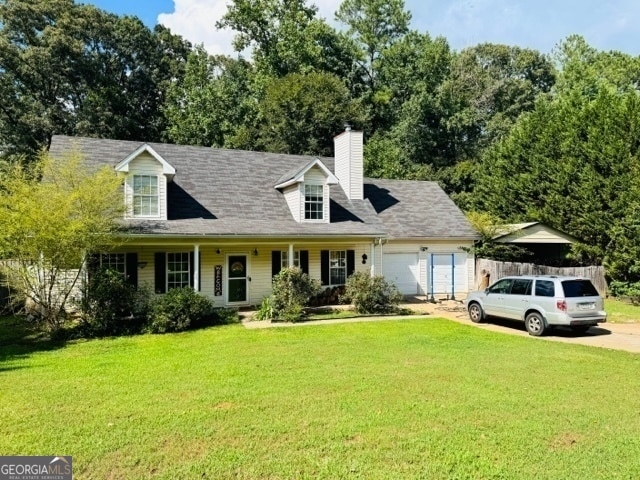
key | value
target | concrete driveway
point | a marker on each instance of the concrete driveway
(617, 336)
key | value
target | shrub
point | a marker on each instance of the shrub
(111, 306)
(218, 316)
(265, 312)
(630, 290)
(178, 310)
(291, 291)
(371, 294)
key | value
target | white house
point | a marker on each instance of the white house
(225, 221)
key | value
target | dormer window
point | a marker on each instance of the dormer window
(145, 196)
(306, 192)
(145, 188)
(313, 202)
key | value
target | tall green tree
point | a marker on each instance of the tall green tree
(215, 103)
(570, 163)
(74, 69)
(286, 36)
(301, 113)
(375, 26)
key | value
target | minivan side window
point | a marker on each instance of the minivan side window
(545, 288)
(521, 286)
(501, 286)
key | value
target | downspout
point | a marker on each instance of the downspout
(381, 256)
(432, 299)
(453, 276)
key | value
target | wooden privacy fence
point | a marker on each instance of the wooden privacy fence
(498, 270)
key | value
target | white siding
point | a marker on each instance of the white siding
(258, 266)
(349, 163)
(536, 234)
(293, 198)
(145, 164)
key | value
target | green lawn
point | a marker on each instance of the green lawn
(395, 399)
(621, 311)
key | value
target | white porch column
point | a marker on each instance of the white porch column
(290, 256)
(196, 267)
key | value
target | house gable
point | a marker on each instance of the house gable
(532, 232)
(307, 192)
(145, 188)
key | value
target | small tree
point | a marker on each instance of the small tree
(50, 217)
(371, 294)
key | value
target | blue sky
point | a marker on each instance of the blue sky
(611, 25)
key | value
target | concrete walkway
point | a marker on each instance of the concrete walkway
(616, 336)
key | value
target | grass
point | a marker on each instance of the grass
(621, 311)
(382, 400)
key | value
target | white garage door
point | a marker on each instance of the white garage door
(402, 270)
(447, 280)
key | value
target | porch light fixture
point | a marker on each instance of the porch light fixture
(424, 249)
(255, 252)
(141, 265)
(218, 251)
(364, 258)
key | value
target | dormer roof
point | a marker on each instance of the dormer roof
(167, 168)
(297, 175)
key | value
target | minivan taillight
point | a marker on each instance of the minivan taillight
(561, 305)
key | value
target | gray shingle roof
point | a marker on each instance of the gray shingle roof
(219, 192)
(417, 209)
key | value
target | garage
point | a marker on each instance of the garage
(402, 269)
(449, 275)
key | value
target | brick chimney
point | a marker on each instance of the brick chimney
(349, 162)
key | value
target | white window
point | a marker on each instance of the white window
(284, 258)
(178, 270)
(313, 202)
(114, 261)
(145, 195)
(337, 267)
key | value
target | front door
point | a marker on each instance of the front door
(237, 279)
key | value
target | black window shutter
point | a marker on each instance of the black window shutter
(351, 262)
(191, 269)
(304, 261)
(160, 265)
(324, 266)
(131, 268)
(276, 262)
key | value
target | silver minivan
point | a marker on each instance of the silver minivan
(541, 301)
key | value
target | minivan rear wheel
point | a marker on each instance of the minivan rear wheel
(475, 313)
(534, 323)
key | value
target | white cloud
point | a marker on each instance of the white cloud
(196, 21)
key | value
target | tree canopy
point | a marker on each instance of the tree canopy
(507, 131)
